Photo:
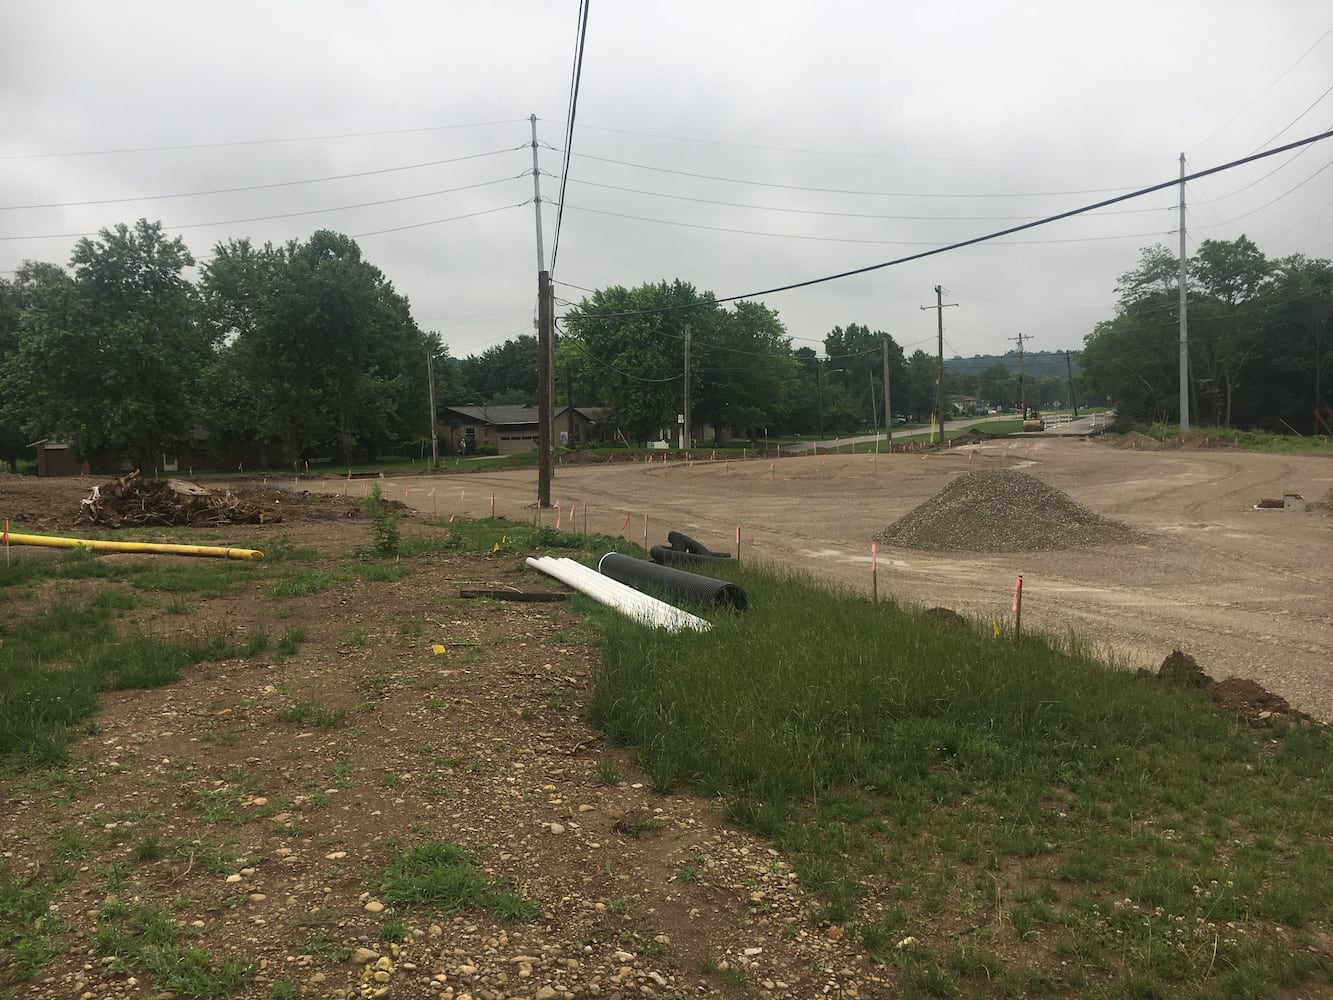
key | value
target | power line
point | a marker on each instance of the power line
(844, 215)
(569, 127)
(821, 190)
(1003, 232)
(284, 215)
(1290, 190)
(1280, 77)
(1278, 134)
(834, 239)
(255, 142)
(436, 222)
(263, 187)
(870, 156)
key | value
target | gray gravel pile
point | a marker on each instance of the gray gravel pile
(1002, 510)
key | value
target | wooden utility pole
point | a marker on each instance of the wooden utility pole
(545, 411)
(1022, 376)
(1073, 400)
(888, 397)
(1184, 315)
(939, 307)
(434, 429)
(569, 403)
(545, 339)
(685, 429)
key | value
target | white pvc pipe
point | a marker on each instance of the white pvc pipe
(633, 603)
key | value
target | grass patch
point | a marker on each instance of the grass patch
(1250, 440)
(304, 582)
(53, 666)
(309, 713)
(444, 876)
(146, 939)
(31, 934)
(864, 739)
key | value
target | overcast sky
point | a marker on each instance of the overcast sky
(757, 144)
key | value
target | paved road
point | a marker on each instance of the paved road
(1083, 425)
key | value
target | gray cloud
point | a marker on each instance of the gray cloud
(959, 101)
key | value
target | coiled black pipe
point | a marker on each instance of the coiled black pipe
(684, 543)
(673, 583)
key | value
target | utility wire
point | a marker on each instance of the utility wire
(285, 215)
(837, 239)
(436, 222)
(871, 156)
(843, 215)
(1281, 76)
(822, 190)
(255, 142)
(1290, 190)
(999, 233)
(264, 187)
(577, 76)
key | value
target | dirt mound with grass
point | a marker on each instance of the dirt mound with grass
(1002, 510)
(1254, 703)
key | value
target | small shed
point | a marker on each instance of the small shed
(55, 459)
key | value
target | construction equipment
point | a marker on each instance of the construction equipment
(1033, 420)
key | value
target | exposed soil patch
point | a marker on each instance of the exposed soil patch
(1190, 440)
(1254, 703)
(1002, 510)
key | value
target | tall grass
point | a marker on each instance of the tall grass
(901, 762)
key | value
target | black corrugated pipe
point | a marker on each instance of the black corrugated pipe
(684, 543)
(673, 583)
(662, 554)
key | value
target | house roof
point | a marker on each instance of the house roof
(510, 415)
(497, 416)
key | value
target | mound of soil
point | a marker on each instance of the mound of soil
(56, 504)
(1002, 510)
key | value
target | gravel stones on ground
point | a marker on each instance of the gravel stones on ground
(1002, 510)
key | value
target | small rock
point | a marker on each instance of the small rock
(374, 906)
(363, 955)
(557, 828)
(544, 993)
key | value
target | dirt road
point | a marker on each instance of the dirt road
(1248, 593)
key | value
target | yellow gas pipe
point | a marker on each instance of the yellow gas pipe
(160, 548)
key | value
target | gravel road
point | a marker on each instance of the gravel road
(1246, 592)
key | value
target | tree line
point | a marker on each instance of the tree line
(1260, 339)
(275, 353)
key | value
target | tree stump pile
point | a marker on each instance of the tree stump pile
(133, 502)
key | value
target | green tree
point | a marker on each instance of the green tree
(627, 350)
(856, 358)
(507, 370)
(110, 356)
(1229, 327)
(322, 344)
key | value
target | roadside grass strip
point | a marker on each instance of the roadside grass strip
(941, 782)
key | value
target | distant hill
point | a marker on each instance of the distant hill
(1039, 364)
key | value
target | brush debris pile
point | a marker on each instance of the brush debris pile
(1002, 510)
(133, 502)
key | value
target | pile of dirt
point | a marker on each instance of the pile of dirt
(1189, 441)
(1254, 703)
(1002, 510)
(134, 502)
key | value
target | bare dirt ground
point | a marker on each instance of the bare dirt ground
(265, 836)
(1245, 592)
